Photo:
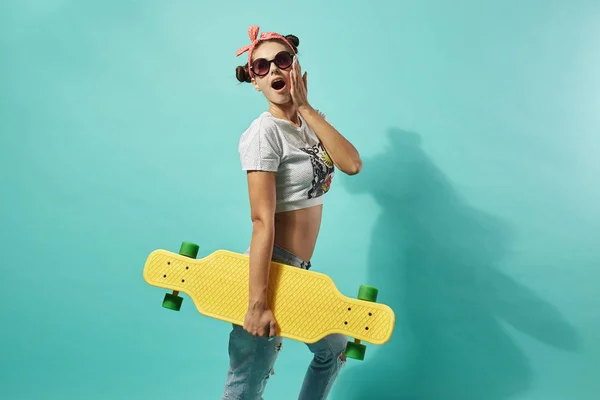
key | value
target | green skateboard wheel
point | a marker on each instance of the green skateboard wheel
(356, 350)
(189, 249)
(368, 293)
(172, 302)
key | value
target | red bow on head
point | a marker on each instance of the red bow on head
(253, 33)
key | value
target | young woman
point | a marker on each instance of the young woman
(289, 152)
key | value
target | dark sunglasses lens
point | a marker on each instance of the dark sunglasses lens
(260, 66)
(283, 59)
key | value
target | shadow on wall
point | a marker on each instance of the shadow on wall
(434, 260)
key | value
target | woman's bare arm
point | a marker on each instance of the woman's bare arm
(261, 190)
(343, 154)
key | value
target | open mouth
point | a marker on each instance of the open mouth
(278, 84)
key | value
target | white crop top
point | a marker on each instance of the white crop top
(304, 169)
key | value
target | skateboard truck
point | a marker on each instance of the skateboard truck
(356, 349)
(173, 301)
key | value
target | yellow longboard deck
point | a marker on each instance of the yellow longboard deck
(306, 304)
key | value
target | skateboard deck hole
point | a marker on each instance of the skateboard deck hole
(345, 322)
(164, 276)
(370, 314)
(366, 328)
(183, 280)
(349, 308)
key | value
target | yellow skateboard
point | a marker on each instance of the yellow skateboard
(306, 304)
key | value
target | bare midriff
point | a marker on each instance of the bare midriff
(296, 231)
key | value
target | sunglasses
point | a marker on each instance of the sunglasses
(262, 66)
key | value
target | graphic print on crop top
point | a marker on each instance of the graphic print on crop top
(323, 169)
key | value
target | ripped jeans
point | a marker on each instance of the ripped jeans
(252, 358)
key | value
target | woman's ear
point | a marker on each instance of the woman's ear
(255, 85)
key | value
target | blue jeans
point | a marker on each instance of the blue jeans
(252, 358)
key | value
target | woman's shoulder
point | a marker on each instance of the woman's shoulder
(261, 124)
(263, 129)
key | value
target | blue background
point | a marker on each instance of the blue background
(477, 213)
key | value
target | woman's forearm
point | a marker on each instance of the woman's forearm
(343, 154)
(261, 251)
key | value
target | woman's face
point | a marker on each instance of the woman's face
(276, 83)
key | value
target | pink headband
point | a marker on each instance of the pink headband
(253, 33)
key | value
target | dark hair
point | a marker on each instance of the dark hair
(243, 75)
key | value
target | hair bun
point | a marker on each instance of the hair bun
(294, 41)
(241, 73)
